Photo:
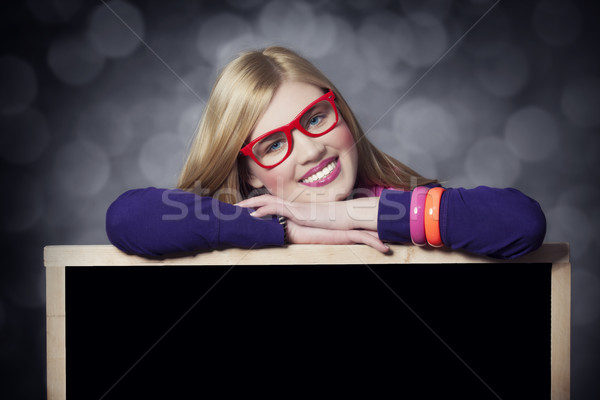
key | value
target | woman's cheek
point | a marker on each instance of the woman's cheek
(347, 146)
(280, 180)
(346, 139)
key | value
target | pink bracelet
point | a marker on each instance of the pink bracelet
(417, 215)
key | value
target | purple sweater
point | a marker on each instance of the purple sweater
(501, 223)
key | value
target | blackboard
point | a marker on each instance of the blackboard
(422, 322)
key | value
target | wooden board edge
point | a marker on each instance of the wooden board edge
(56, 368)
(107, 255)
(560, 352)
(55, 300)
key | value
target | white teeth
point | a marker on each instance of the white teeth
(321, 174)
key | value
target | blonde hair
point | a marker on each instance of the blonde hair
(239, 98)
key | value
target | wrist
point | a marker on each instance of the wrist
(362, 213)
(283, 222)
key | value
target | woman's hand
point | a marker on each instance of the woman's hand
(305, 234)
(339, 215)
(340, 222)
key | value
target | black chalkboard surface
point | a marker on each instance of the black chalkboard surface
(140, 332)
(196, 328)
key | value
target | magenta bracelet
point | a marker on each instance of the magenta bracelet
(417, 215)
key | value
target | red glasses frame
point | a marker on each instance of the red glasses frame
(288, 128)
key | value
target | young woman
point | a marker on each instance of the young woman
(279, 158)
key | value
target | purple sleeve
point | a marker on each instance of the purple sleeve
(156, 222)
(501, 223)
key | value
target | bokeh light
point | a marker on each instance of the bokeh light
(54, 11)
(245, 4)
(161, 158)
(86, 236)
(531, 133)
(565, 220)
(587, 286)
(73, 60)
(188, 122)
(438, 8)
(150, 116)
(424, 127)
(383, 39)
(200, 78)
(430, 40)
(490, 160)
(101, 97)
(20, 291)
(366, 5)
(297, 25)
(18, 83)
(24, 138)
(557, 22)
(220, 29)
(492, 36)
(22, 201)
(107, 125)
(82, 168)
(581, 101)
(116, 35)
(504, 74)
(340, 64)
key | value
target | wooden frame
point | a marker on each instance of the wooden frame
(56, 258)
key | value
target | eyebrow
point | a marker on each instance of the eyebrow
(312, 108)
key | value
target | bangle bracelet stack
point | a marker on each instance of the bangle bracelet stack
(417, 211)
(432, 217)
(425, 216)
(283, 222)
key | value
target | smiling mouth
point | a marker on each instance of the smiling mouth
(326, 171)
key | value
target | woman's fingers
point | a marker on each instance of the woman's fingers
(322, 215)
(304, 234)
(339, 215)
(265, 204)
(271, 205)
(258, 201)
(369, 238)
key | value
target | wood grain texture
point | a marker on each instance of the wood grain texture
(56, 258)
(307, 254)
(56, 333)
(560, 352)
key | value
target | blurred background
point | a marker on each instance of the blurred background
(100, 97)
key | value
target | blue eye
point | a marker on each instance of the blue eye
(315, 120)
(275, 146)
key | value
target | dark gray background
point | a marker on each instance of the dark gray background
(464, 91)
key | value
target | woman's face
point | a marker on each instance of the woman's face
(318, 169)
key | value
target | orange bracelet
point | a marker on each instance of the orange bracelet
(432, 217)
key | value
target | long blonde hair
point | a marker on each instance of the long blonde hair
(239, 98)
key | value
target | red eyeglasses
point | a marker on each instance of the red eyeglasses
(272, 148)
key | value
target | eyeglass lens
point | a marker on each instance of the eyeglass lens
(316, 120)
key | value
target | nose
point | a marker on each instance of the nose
(307, 149)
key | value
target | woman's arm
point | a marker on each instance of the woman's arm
(501, 223)
(155, 222)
